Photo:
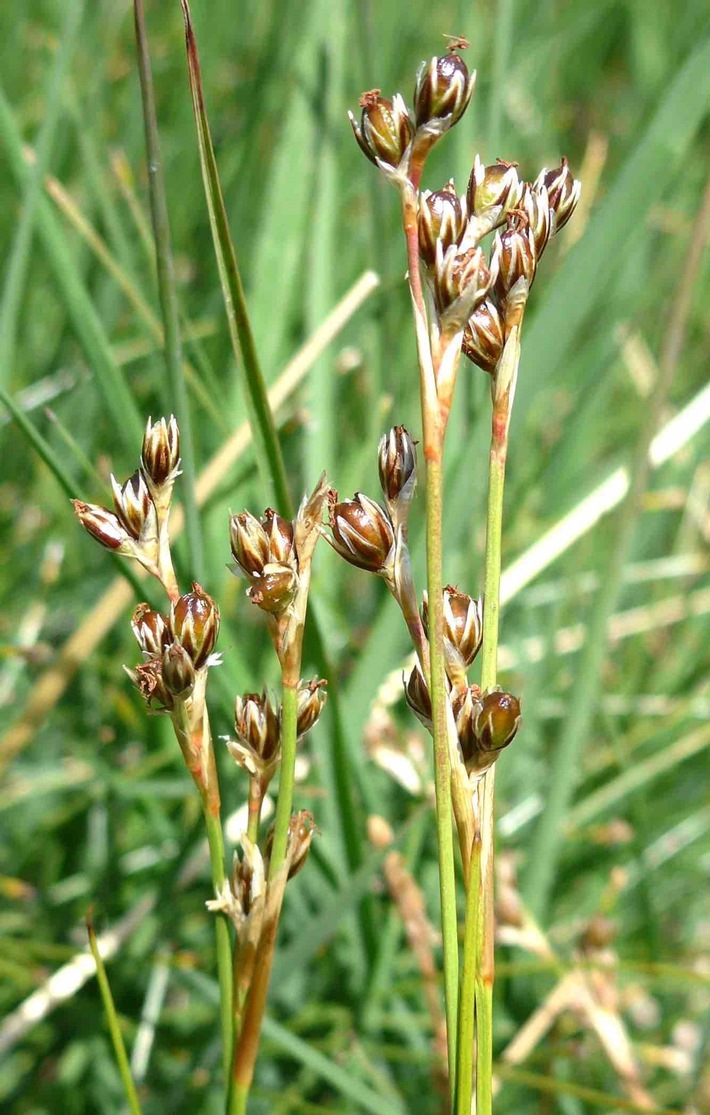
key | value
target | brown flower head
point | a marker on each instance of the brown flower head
(194, 623)
(362, 532)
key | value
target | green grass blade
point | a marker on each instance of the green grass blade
(340, 1079)
(80, 308)
(63, 478)
(323, 238)
(168, 295)
(19, 256)
(587, 272)
(575, 730)
(119, 1047)
(266, 442)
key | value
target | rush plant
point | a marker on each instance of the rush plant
(468, 298)
(472, 259)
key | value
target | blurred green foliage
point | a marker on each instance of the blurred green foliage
(97, 808)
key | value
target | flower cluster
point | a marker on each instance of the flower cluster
(485, 722)
(274, 554)
(177, 648)
(137, 526)
(368, 535)
(398, 140)
(471, 290)
(257, 727)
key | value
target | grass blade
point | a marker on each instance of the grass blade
(266, 442)
(16, 275)
(339, 1078)
(80, 308)
(590, 266)
(168, 295)
(119, 1047)
(574, 733)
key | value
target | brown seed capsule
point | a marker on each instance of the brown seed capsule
(274, 590)
(416, 694)
(385, 130)
(443, 90)
(134, 507)
(279, 532)
(311, 699)
(484, 336)
(194, 623)
(463, 275)
(103, 526)
(249, 542)
(151, 630)
(256, 722)
(496, 186)
(463, 630)
(160, 456)
(463, 623)
(362, 532)
(514, 252)
(563, 192)
(397, 463)
(178, 670)
(442, 220)
(497, 720)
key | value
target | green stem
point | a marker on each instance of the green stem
(284, 802)
(198, 752)
(215, 840)
(433, 428)
(442, 766)
(167, 291)
(239, 1098)
(467, 1014)
(483, 939)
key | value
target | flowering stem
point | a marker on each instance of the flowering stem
(284, 802)
(215, 840)
(198, 752)
(464, 1074)
(442, 766)
(483, 939)
(434, 426)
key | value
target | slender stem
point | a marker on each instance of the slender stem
(198, 752)
(167, 290)
(434, 427)
(503, 393)
(284, 803)
(464, 1074)
(442, 765)
(222, 937)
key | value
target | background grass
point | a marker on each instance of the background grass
(96, 806)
